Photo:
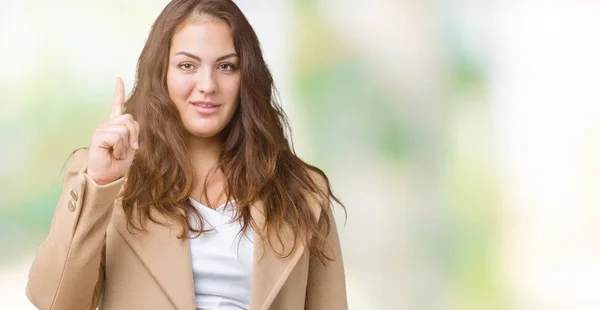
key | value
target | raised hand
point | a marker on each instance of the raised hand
(113, 143)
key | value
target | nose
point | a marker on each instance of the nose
(206, 82)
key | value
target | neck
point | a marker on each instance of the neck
(204, 154)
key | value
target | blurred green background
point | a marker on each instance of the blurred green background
(462, 136)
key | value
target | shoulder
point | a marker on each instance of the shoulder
(319, 199)
(320, 180)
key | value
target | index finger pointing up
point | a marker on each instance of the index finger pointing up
(118, 104)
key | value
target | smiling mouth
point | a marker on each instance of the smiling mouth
(205, 104)
(205, 107)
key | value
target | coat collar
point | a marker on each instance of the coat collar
(168, 259)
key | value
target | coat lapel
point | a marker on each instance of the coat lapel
(167, 258)
(270, 271)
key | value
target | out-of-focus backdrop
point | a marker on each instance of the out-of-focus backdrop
(463, 136)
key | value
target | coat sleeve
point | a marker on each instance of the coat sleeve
(326, 287)
(68, 269)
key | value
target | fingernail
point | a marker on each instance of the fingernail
(136, 145)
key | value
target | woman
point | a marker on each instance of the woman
(189, 196)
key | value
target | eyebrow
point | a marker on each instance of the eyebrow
(198, 58)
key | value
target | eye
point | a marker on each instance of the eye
(228, 67)
(186, 66)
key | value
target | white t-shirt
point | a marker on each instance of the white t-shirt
(221, 260)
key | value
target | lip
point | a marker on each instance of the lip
(213, 106)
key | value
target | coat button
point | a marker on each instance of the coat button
(71, 205)
(73, 194)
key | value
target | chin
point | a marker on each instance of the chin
(204, 133)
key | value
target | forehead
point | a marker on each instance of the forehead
(203, 38)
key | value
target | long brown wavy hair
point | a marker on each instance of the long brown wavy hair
(257, 158)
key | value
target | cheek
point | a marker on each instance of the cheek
(179, 86)
(231, 88)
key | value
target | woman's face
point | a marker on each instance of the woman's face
(203, 77)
